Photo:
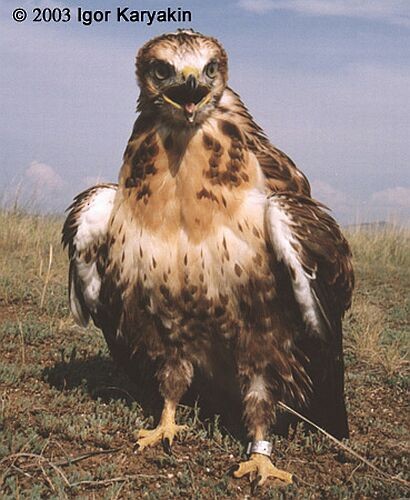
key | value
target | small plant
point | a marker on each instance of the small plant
(68, 415)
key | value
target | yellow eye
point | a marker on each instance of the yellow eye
(161, 71)
(211, 69)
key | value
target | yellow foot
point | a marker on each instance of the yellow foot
(259, 467)
(164, 432)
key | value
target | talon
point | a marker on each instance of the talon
(231, 470)
(254, 486)
(167, 446)
(165, 433)
(261, 466)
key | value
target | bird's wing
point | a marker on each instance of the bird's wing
(311, 246)
(85, 233)
(280, 171)
(317, 260)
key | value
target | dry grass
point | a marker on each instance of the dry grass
(367, 340)
(382, 260)
(32, 260)
(386, 246)
(62, 398)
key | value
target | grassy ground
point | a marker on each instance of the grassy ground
(68, 416)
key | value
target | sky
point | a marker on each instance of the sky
(328, 80)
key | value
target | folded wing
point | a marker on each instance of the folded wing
(85, 234)
(317, 260)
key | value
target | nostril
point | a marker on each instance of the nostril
(192, 82)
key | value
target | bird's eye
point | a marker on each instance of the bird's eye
(162, 71)
(211, 69)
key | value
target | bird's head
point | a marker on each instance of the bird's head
(182, 76)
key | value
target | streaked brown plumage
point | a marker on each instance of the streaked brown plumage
(210, 255)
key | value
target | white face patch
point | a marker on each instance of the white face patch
(193, 59)
(186, 56)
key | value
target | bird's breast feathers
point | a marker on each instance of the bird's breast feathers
(188, 221)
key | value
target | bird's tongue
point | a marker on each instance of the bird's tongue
(190, 107)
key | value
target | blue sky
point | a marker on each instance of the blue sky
(329, 81)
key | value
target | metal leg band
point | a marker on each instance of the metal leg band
(261, 447)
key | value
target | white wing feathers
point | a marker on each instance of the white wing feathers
(281, 229)
(311, 246)
(85, 231)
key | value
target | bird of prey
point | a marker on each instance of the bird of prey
(211, 256)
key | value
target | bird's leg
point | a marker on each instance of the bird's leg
(258, 403)
(174, 377)
(260, 467)
(165, 430)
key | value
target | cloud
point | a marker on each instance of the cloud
(342, 205)
(337, 104)
(389, 204)
(396, 197)
(393, 11)
(328, 194)
(258, 6)
(43, 176)
(346, 127)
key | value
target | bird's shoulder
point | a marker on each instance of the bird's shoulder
(280, 171)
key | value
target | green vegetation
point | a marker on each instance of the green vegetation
(68, 415)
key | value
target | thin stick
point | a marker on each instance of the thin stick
(74, 460)
(14, 459)
(44, 447)
(58, 463)
(23, 349)
(15, 456)
(21, 471)
(58, 470)
(50, 261)
(121, 479)
(343, 446)
(118, 493)
(47, 479)
(40, 271)
(54, 465)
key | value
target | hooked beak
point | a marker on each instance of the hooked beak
(192, 82)
(189, 96)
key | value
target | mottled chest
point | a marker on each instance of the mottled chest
(190, 227)
(206, 283)
(192, 181)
